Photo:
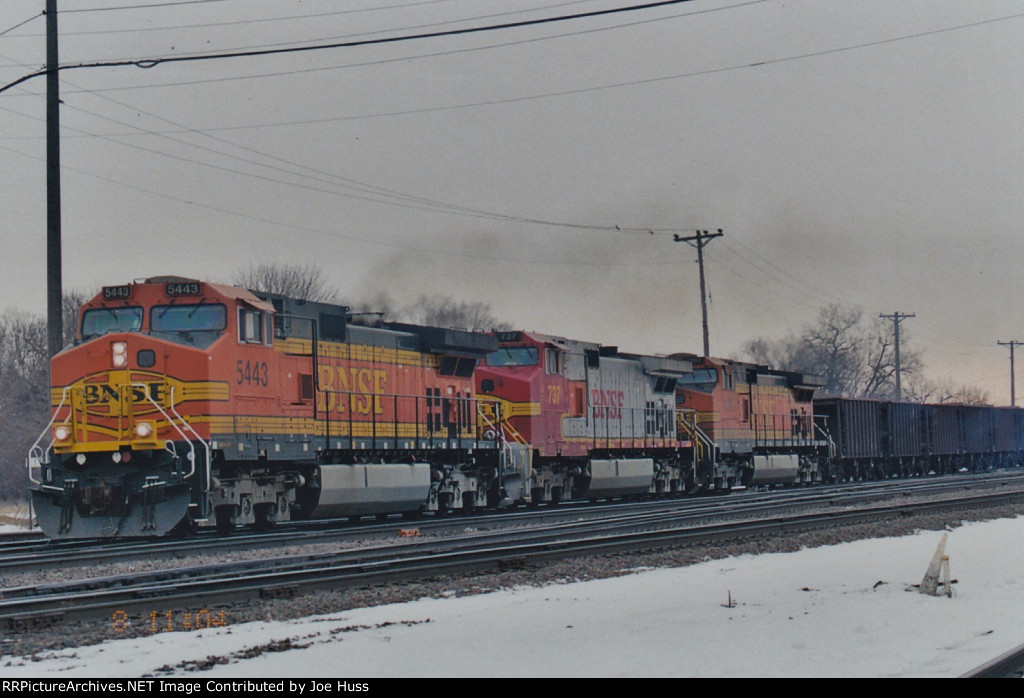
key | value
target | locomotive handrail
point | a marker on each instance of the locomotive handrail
(828, 437)
(34, 448)
(499, 431)
(703, 442)
(203, 441)
(465, 428)
(184, 436)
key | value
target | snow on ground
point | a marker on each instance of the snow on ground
(819, 612)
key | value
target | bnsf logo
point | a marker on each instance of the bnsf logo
(102, 394)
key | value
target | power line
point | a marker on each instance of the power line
(561, 93)
(316, 15)
(368, 191)
(137, 7)
(547, 261)
(21, 24)
(402, 59)
(153, 62)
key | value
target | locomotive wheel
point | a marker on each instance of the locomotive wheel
(444, 504)
(224, 523)
(536, 497)
(692, 486)
(264, 514)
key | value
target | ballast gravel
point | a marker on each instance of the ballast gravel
(77, 634)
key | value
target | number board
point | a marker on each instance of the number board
(192, 288)
(510, 336)
(116, 293)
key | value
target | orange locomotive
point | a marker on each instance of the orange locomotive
(757, 423)
(184, 402)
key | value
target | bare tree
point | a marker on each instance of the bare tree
(920, 389)
(304, 282)
(854, 357)
(25, 387)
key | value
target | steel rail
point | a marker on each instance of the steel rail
(1006, 666)
(24, 556)
(24, 613)
(70, 553)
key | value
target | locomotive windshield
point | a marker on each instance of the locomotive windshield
(701, 379)
(196, 324)
(104, 320)
(513, 356)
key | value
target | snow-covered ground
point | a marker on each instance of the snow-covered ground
(840, 610)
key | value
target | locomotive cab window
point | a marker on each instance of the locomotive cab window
(103, 320)
(701, 379)
(513, 356)
(198, 324)
(250, 326)
(553, 360)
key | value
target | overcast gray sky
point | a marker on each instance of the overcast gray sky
(868, 152)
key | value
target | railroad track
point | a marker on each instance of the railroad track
(1005, 666)
(193, 594)
(38, 555)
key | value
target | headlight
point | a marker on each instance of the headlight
(143, 430)
(119, 356)
(61, 432)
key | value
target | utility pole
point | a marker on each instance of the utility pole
(1013, 387)
(896, 318)
(54, 290)
(699, 239)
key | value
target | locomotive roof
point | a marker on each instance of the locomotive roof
(225, 290)
(796, 379)
(653, 365)
(335, 322)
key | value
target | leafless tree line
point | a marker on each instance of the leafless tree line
(25, 388)
(856, 358)
(308, 283)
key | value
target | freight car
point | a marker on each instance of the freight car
(876, 439)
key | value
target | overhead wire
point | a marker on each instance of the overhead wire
(148, 6)
(21, 24)
(251, 53)
(434, 54)
(346, 236)
(368, 191)
(315, 15)
(595, 88)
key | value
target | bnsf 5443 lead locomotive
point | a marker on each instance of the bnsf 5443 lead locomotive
(185, 401)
